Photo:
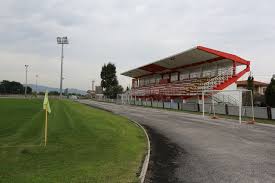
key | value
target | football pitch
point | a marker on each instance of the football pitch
(84, 144)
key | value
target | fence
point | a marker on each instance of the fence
(273, 113)
(224, 109)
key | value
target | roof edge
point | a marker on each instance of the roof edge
(225, 55)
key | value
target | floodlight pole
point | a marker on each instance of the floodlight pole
(36, 83)
(61, 72)
(62, 41)
(26, 79)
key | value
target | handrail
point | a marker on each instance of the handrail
(226, 73)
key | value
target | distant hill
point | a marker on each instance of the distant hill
(42, 88)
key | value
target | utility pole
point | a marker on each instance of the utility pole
(36, 76)
(26, 80)
(62, 41)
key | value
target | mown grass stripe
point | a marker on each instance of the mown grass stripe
(85, 144)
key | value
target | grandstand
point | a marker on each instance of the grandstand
(185, 75)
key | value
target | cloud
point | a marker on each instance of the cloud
(128, 33)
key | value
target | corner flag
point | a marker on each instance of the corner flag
(47, 108)
(46, 103)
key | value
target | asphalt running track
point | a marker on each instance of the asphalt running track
(188, 148)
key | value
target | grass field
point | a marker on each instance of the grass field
(84, 144)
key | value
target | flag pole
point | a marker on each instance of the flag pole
(46, 126)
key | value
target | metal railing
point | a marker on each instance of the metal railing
(220, 78)
(226, 99)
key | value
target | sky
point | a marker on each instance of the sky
(129, 34)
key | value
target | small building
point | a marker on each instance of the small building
(91, 94)
(98, 90)
(260, 87)
(99, 93)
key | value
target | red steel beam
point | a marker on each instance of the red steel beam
(225, 55)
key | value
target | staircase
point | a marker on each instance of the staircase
(225, 99)
(213, 83)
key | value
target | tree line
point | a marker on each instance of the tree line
(270, 93)
(13, 87)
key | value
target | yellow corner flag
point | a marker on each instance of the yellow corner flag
(47, 108)
(46, 103)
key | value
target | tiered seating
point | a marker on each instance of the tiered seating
(178, 88)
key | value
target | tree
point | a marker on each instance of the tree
(249, 86)
(109, 81)
(270, 93)
(12, 87)
(29, 90)
(250, 83)
(54, 93)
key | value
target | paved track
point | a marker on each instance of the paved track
(209, 150)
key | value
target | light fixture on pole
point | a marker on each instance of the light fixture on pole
(26, 79)
(62, 41)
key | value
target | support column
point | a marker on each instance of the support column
(234, 68)
(213, 107)
(202, 104)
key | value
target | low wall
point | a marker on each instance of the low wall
(174, 105)
(233, 110)
(220, 109)
(207, 108)
(148, 103)
(189, 107)
(160, 104)
(167, 105)
(273, 113)
(259, 112)
(155, 104)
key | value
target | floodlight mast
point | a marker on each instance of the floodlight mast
(26, 79)
(36, 76)
(62, 41)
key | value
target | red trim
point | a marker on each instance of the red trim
(225, 55)
(221, 55)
